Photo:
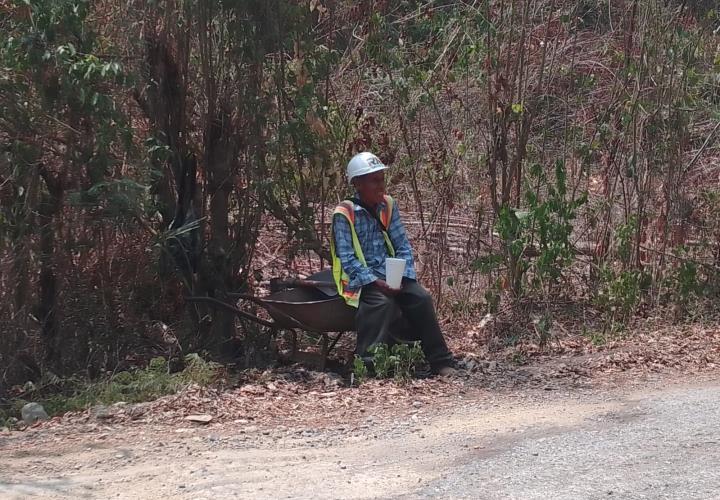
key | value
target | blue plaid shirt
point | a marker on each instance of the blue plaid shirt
(373, 246)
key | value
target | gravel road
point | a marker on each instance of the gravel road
(651, 440)
(660, 445)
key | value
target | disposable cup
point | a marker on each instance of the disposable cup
(394, 270)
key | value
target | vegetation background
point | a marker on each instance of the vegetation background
(556, 163)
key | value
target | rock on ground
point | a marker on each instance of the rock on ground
(32, 412)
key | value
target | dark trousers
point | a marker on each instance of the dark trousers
(406, 317)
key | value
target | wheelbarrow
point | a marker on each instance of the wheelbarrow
(312, 305)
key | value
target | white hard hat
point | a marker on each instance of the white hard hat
(362, 164)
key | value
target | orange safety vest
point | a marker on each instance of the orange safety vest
(347, 210)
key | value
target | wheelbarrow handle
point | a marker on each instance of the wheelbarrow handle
(240, 313)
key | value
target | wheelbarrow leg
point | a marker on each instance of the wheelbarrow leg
(327, 347)
(324, 351)
(334, 342)
(294, 341)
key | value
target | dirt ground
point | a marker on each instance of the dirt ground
(542, 431)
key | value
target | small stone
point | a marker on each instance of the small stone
(250, 428)
(199, 419)
(32, 412)
(101, 412)
(4, 430)
(119, 455)
(417, 404)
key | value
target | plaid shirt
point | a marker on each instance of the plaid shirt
(373, 246)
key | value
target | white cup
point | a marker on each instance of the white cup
(394, 270)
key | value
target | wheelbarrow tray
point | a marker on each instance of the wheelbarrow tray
(317, 309)
(309, 309)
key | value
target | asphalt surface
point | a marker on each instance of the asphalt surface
(663, 446)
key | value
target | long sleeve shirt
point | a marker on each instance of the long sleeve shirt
(373, 246)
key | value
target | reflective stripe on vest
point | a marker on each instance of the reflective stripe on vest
(342, 280)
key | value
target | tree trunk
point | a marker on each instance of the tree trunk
(48, 211)
(220, 152)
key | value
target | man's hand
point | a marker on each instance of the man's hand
(385, 288)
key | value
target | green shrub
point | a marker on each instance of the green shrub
(382, 360)
(399, 361)
(133, 386)
(360, 371)
(620, 293)
(546, 224)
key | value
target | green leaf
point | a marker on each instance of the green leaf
(522, 214)
(487, 263)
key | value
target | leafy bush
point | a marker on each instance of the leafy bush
(551, 222)
(545, 224)
(620, 293)
(399, 361)
(133, 386)
(359, 371)
(624, 238)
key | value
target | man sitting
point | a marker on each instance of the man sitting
(366, 231)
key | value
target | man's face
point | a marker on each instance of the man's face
(371, 187)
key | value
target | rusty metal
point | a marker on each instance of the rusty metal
(310, 310)
(238, 312)
(309, 305)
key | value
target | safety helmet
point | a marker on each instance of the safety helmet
(362, 164)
